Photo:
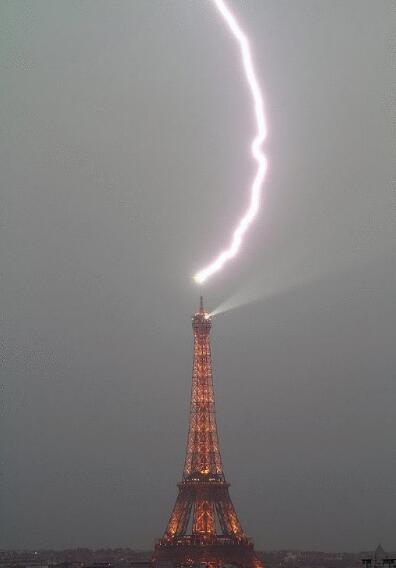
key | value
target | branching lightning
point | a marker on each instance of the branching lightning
(257, 152)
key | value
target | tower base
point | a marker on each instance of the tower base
(215, 553)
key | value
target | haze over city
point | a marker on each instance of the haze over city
(125, 130)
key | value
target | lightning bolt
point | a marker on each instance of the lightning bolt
(257, 152)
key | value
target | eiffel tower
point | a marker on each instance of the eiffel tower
(203, 528)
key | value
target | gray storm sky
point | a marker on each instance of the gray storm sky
(125, 128)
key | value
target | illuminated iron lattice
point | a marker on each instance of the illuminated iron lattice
(204, 528)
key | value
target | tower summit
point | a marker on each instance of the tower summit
(203, 527)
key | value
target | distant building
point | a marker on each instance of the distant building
(379, 559)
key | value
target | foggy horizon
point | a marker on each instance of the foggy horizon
(125, 164)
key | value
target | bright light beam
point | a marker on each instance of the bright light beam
(257, 152)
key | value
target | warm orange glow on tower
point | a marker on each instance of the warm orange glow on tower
(203, 454)
(204, 527)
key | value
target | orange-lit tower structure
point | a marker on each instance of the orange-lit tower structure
(203, 528)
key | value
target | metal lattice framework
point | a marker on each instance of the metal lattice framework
(204, 527)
